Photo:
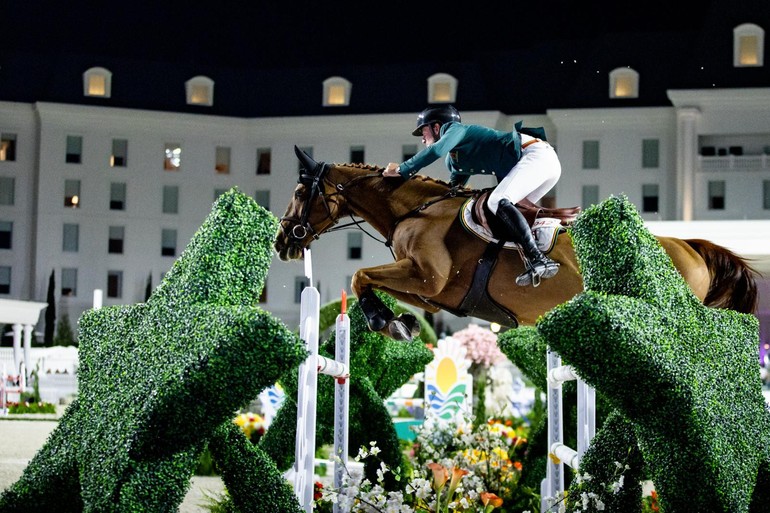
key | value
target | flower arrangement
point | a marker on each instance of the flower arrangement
(252, 425)
(456, 467)
(481, 345)
(30, 407)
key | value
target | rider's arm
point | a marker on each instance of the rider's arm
(449, 139)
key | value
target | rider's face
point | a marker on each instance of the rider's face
(430, 134)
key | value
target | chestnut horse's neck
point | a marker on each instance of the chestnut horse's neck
(379, 201)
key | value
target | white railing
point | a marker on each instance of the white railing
(735, 163)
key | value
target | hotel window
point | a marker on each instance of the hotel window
(336, 92)
(8, 147)
(300, 282)
(263, 294)
(69, 281)
(114, 283)
(357, 154)
(70, 238)
(7, 190)
(6, 235)
(200, 91)
(117, 196)
(748, 45)
(74, 153)
(649, 197)
(590, 195)
(355, 243)
(222, 160)
(263, 199)
(97, 82)
(624, 83)
(408, 151)
(115, 244)
(263, 161)
(716, 189)
(766, 194)
(590, 154)
(172, 160)
(442, 88)
(168, 242)
(650, 153)
(72, 193)
(5, 279)
(170, 199)
(119, 157)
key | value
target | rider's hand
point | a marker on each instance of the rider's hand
(391, 171)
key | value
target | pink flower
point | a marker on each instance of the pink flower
(480, 344)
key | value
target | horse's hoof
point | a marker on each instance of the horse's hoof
(404, 327)
(376, 322)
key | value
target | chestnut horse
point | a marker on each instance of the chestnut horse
(436, 256)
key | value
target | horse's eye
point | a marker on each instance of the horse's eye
(298, 194)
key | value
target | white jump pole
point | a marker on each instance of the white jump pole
(341, 398)
(552, 487)
(304, 455)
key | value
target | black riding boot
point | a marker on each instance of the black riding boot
(540, 266)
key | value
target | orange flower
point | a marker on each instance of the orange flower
(517, 465)
(457, 475)
(440, 475)
(490, 499)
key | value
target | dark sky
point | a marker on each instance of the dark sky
(302, 33)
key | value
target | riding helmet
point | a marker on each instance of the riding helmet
(442, 114)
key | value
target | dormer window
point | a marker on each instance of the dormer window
(336, 92)
(97, 82)
(200, 91)
(624, 83)
(748, 45)
(442, 88)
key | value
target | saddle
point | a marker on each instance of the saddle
(478, 302)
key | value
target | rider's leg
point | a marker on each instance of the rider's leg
(537, 171)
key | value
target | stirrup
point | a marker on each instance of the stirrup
(534, 273)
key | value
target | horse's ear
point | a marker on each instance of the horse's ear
(307, 162)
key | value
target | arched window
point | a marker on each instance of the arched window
(336, 92)
(442, 88)
(748, 45)
(97, 82)
(624, 83)
(200, 91)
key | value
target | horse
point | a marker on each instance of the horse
(436, 257)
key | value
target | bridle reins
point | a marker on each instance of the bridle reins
(313, 182)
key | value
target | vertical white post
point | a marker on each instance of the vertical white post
(28, 348)
(552, 488)
(16, 348)
(341, 398)
(97, 299)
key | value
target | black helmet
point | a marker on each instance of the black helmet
(442, 114)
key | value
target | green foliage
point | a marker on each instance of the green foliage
(31, 407)
(64, 333)
(683, 375)
(159, 380)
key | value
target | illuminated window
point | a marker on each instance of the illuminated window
(336, 92)
(624, 83)
(5, 279)
(70, 238)
(170, 199)
(69, 281)
(97, 82)
(115, 243)
(6, 235)
(72, 193)
(649, 197)
(117, 196)
(748, 45)
(119, 157)
(263, 161)
(442, 88)
(222, 160)
(7, 190)
(8, 147)
(168, 242)
(172, 160)
(590, 154)
(200, 91)
(74, 154)
(114, 283)
(716, 191)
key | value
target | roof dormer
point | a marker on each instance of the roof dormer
(97, 82)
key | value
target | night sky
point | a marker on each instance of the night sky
(303, 33)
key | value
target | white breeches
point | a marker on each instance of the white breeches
(536, 173)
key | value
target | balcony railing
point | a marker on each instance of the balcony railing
(734, 163)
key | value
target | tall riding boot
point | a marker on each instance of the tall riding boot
(519, 231)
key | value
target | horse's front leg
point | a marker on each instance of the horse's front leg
(403, 280)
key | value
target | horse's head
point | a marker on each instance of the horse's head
(313, 209)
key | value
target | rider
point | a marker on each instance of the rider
(525, 167)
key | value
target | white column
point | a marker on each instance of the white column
(27, 349)
(16, 348)
(686, 158)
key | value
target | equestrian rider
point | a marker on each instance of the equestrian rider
(525, 166)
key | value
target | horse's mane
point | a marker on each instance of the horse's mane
(386, 186)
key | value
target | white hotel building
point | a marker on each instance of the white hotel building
(105, 187)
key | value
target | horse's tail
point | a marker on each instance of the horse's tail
(733, 281)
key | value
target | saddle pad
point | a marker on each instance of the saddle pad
(544, 229)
